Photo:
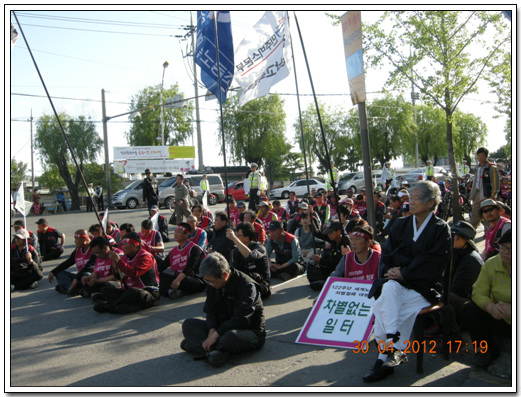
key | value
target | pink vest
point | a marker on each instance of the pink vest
(179, 257)
(365, 271)
(149, 240)
(266, 221)
(491, 234)
(81, 259)
(102, 267)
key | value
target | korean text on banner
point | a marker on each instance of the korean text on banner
(206, 50)
(264, 56)
(342, 316)
(352, 35)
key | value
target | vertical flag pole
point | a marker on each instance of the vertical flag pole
(318, 115)
(221, 110)
(300, 118)
(58, 120)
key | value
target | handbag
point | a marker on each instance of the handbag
(172, 220)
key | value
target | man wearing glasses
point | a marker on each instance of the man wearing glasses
(498, 226)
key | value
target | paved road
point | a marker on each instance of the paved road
(59, 341)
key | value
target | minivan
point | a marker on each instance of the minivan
(356, 181)
(131, 196)
(167, 193)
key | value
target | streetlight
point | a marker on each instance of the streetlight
(165, 65)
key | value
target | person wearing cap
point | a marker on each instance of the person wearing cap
(234, 315)
(485, 185)
(498, 225)
(33, 238)
(464, 168)
(50, 247)
(205, 184)
(25, 268)
(410, 276)
(139, 280)
(150, 190)
(321, 207)
(324, 264)
(178, 272)
(292, 204)
(162, 224)
(82, 257)
(102, 274)
(304, 207)
(241, 208)
(490, 312)
(251, 217)
(387, 175)
(252, 185)
(361, 262)
(429, 170)
(249, 256)
(217, 240)
(466, 265)
(197, 235)
(287, 253)
(505, 210)
(266, 216)
(360, 202)
(90, 193)
(98, 193)
(404, 197)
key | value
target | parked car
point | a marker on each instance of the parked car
(414, 175)
(236, 190)
(300, 188)
(130, 197)
(356, 181)
(166, 189)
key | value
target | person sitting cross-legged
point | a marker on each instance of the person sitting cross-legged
(234, 315)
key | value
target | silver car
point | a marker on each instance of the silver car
(356, 181)
(166, 189)
(300, 188)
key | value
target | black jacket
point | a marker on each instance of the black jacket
(150, 188)
(257, 266)
(466, 265)
(218, 242)
(237, 305)
(422, 262)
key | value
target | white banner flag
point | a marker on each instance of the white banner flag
(264, 57)
(22, 206)
(155, 221)
(105, 220)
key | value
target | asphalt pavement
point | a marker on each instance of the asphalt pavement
(59, 343)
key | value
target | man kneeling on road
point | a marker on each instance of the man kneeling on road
(234, 315)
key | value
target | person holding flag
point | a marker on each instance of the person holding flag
(25, 268)
(159, 223)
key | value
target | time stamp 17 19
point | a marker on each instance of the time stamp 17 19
(454, 346)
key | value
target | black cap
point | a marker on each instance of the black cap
(464, 229)
(333, 226)
(42, 221)
(147, 171)
(19, 222)
(274, 225)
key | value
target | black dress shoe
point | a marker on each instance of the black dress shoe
(395, 358)
(378, 372)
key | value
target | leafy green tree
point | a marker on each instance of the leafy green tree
(18, 172)
(433, 50)
(333, 122)
(432, 142)
(470, 132)
(255, 132)
(51, 178)
(53, 149)
(500, 79)
(145, 129)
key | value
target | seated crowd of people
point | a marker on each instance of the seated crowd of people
(234, 255)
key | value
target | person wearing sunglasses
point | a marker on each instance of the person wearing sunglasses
(498, 226)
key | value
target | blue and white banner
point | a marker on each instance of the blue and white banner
(264, 56)
(206, 50)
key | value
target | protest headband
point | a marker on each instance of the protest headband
(182, 228)
(361, 234)
(78, 235)
(130, 241)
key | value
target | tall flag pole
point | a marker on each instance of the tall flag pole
(352, 35)
(59, 121)
(318, 113)
(300, 122)
(217, 65)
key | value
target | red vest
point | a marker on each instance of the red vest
(136, 281)
(103, 267)
(178, 258)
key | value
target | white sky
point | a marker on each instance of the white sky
(77, 64)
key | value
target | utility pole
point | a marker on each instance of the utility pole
(32, 152)
(106, 147)
(196, 89)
